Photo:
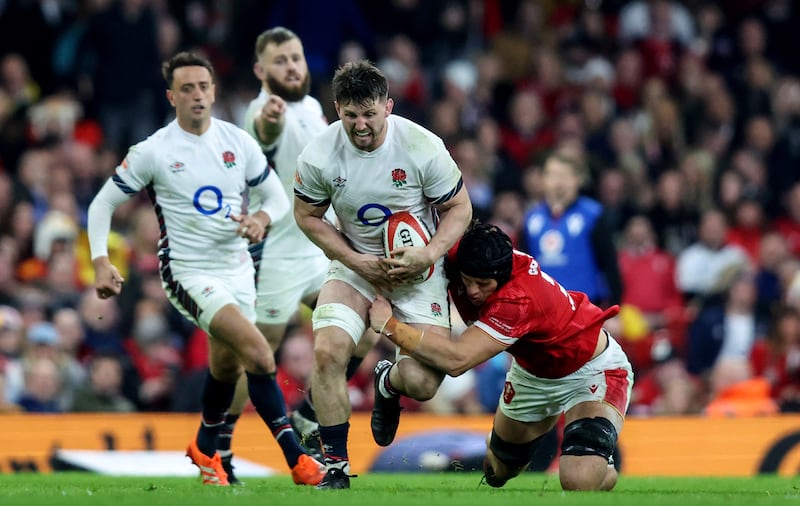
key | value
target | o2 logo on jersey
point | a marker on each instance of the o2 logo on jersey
(208, 200)
(373, 214)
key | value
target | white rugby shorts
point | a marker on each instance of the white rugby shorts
(607, 378)
(283, 282)
(199, 293)
(424, 303)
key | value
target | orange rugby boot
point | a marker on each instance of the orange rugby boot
(210, 467)
(307, 471)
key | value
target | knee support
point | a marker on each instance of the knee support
(513, 455)
(341, 316)
(590, 436)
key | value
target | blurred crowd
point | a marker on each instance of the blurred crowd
(685, 116)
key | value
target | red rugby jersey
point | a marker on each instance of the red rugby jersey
(550, 331)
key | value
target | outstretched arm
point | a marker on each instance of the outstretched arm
(269, 122)
(452, 356)
(107, 279)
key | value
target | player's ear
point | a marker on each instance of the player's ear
(389, 107)
(170, 98)
(258, 70)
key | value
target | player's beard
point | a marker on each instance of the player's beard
(290, 93)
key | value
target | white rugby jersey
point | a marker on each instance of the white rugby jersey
(303, 121)
(411, 170)
(195, 183)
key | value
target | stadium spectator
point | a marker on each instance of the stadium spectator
(12, 346)
(702, 265)
(735, 391)
(788, 223)
(121, 37)
(726, 326)
(570, 235)
(155, 355)
(648, 280)
(6, 405)
(102, 393)
(666, 388)
(43, 386)
(777, 358)
(44, 343)
(295, 365)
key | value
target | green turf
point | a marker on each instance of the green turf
(457, 489)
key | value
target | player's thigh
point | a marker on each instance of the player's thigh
(604, 384)
(200, 294)
(231, 327)
(424, 303)
(284, 283)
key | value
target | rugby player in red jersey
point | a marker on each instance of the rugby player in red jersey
(564, 361)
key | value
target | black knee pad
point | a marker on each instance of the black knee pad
(512, 454)
(590, 436)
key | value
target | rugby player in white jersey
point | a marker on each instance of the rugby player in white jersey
(289, 267)
(195, 171)
(367, 166)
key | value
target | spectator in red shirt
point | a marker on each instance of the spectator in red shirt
(648, 272)
(777, 358)
(789, 223)
(295, 366)
(648, 280)
(527, 133)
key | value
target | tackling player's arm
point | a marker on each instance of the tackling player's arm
(107, 279)
(453, 356)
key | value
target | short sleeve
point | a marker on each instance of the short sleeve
(136, 169)
(309, 185)
(442, 177)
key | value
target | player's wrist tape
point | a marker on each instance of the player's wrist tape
(402, 334)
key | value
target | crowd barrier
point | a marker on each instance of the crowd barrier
(680, 446)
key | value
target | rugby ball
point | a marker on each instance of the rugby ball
(403, 229)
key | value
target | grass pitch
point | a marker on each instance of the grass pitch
(389, 489)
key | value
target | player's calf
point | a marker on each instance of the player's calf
(505, 460)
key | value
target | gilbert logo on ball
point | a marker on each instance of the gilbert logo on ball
(403, 229)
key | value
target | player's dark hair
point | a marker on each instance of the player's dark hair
(359, 83)
(277, 35)
(485, 252)
(185, 59)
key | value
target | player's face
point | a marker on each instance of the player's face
(284, 70)
(192, 95)
(365, 124)
(478, 289)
